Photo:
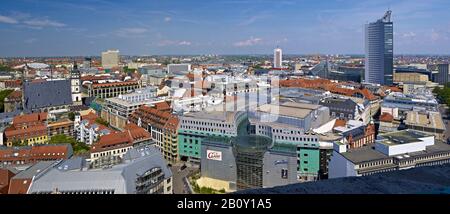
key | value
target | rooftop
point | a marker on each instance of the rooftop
(227, 116)
(47, 94)
(403, 137)
(119, 178)
(425, 119)
(290, 109)
(434, 179)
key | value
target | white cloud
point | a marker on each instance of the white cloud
(174, 43)
(249, 42)
(41, 23)
(184, 43)
(8, 20)
(409, 35)
(167, 19)
(435, 35)
(30, 41)
(251, 20)
(282, 41)
(131, 32)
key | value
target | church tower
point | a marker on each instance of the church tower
(76, 85)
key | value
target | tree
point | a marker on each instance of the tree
(3, 95)
(5, 68)
(78, 147)
(71, 116)
(17, 143)
(102, 121)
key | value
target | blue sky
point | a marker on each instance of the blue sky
(148, 27)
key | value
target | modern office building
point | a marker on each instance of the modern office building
(178, 68)
(442, 76)
(398, 104)
(152, 76)
(87, 63)
(141, 171)
(196, 126)
(380, 51)
(278, 58)
(424, 70)
(291, 124)
(392, 151)
(116, 110)
(426, 121)
(247, 161)
(110, 59)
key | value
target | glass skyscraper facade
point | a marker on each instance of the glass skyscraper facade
(442, 76)
(380, 51)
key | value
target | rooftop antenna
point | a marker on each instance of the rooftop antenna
(387, 16)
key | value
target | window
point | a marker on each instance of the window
(284, 173)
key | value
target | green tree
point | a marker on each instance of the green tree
(5, 68)
(3, 95)
(71, 116)
(17, 143)
(102, 121)
(78, 147)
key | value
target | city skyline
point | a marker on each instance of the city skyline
(63, 28)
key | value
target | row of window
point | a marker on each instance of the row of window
(285, 132)
(113, 152)
(210, 124)
(342, 115)
(203, 129)
(301, 139)
(190, 152)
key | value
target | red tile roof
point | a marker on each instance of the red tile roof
(137, 133)
(25, 133)
(114, 84)
(162, 106)
(90, 116)
(19, 186)
(386, 117)
(339, 123)
(131, 135)
(5, 177)
(158, 118)
(328, 85)
(15, 95)
(35, 153)
(30, 118)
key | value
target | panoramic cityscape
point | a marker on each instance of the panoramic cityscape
(241, 97)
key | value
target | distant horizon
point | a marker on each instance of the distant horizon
(195, 55)
(80, 28)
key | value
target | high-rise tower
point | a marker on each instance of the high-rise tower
(278, 58)
(380, 51)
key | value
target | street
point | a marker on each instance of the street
(179, 186)
(446, 120)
